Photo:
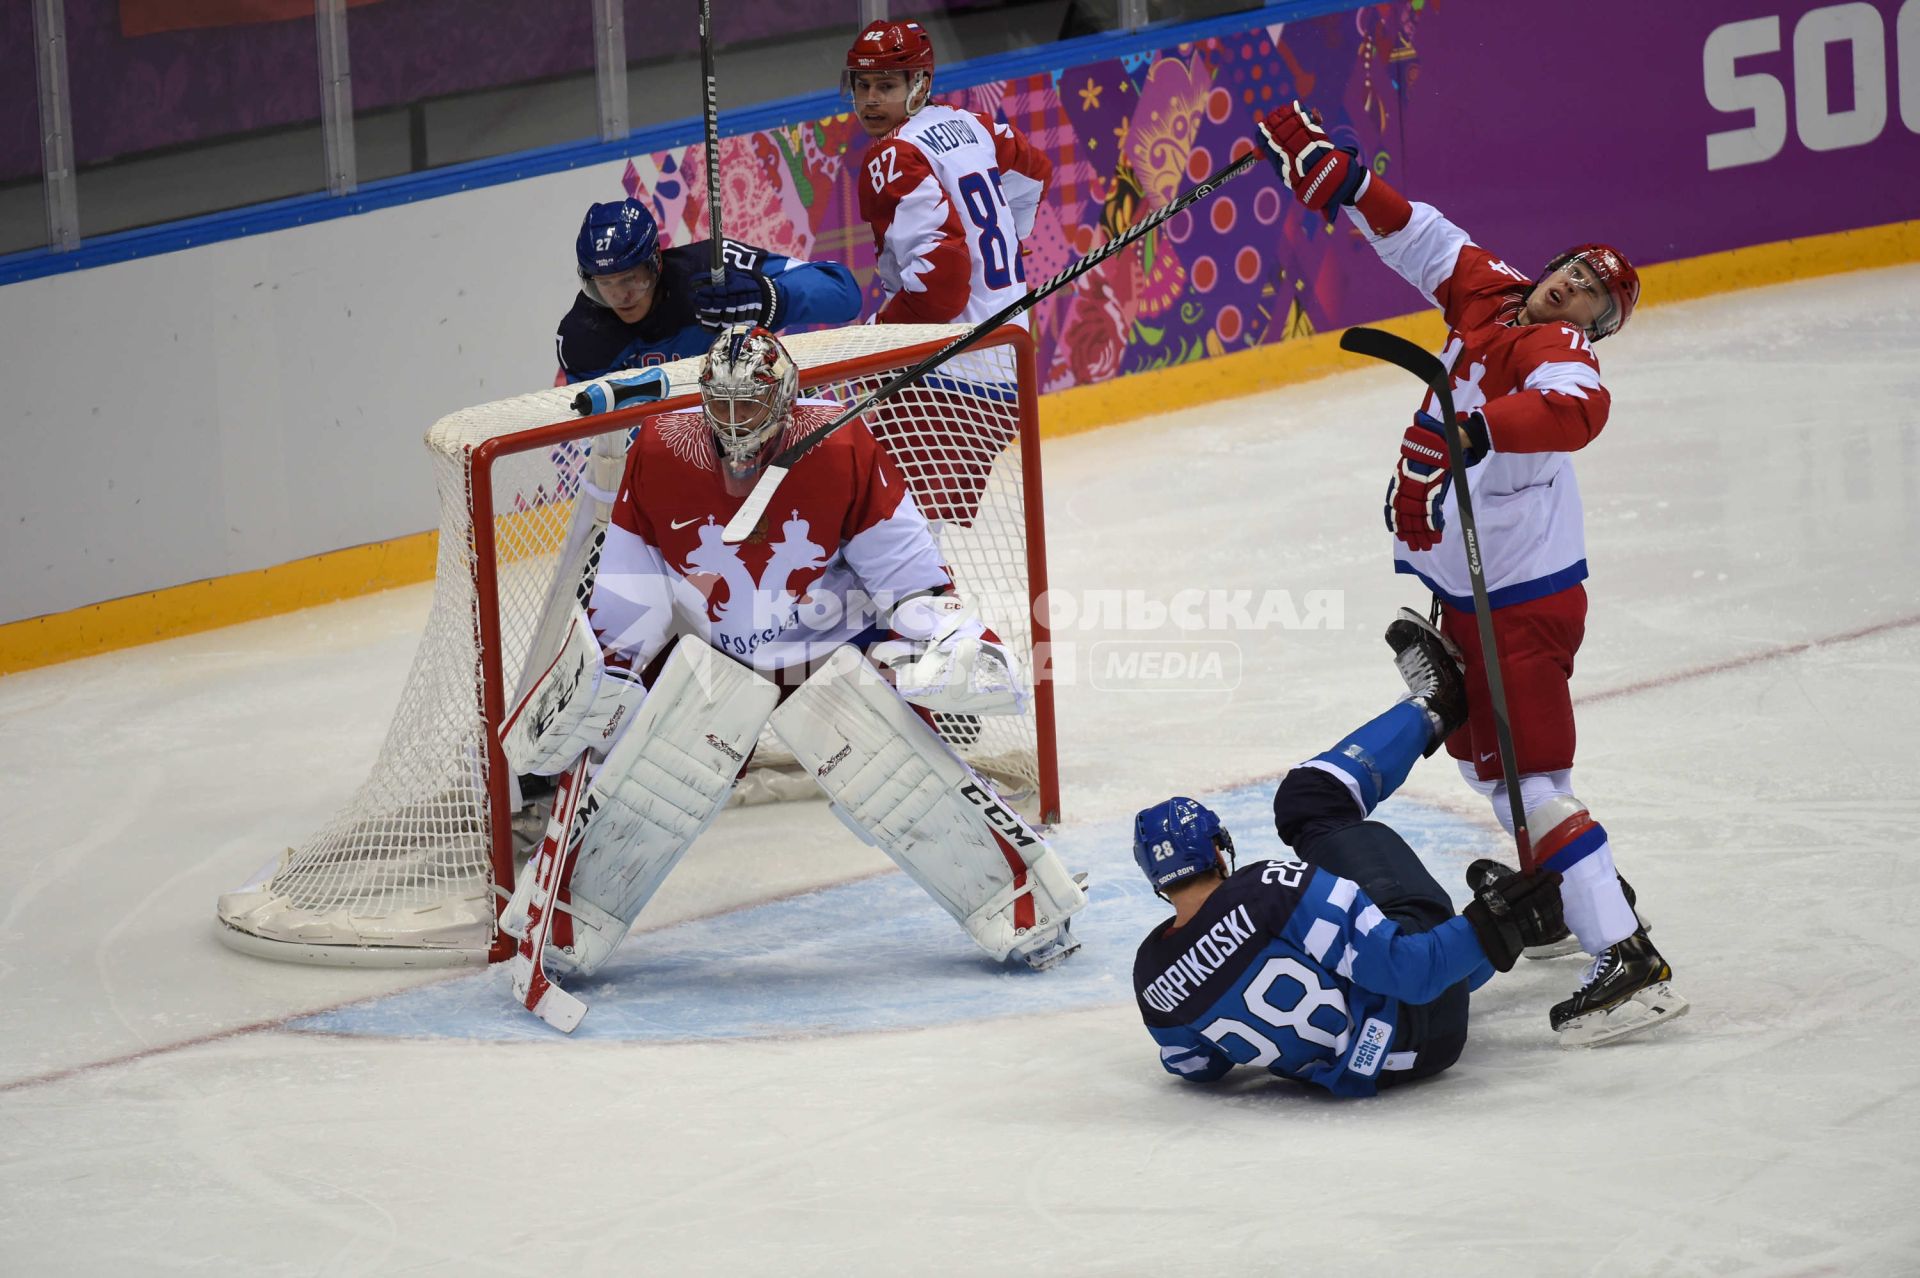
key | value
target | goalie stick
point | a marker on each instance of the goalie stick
(744, 520)
(551, 867)
(1383, 345)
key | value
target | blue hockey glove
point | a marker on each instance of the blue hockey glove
(743, 298)
(621, 390)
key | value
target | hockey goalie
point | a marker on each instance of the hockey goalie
(837, 625)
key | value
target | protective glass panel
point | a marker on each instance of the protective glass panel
(184, 107)
(766, 52)
(23, 221)
(438, 82)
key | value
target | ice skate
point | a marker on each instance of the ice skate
(1625, 991)
(1434, 671)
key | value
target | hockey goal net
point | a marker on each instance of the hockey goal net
(412, 871)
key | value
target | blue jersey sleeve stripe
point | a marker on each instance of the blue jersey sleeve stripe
(1320, 938)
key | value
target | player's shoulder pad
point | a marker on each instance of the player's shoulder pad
(684, 261)
(1276, 883)
(908, 159)
(1551, 343)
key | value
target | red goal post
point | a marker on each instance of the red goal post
(414, 869)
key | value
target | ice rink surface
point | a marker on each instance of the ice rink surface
(778, 1080)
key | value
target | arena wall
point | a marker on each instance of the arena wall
(203, 432)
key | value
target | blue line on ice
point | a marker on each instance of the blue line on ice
(875, 954)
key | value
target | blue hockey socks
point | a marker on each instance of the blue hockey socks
(1379, 754)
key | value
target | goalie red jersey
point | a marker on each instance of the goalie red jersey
(843, 542)
(950, 195)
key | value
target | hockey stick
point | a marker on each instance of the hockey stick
(550, 867)
(718, 271)
(748, 516)
(1428, 368)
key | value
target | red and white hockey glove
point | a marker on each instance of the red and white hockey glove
(1419, 482)
(1419, 485)
(1321, 175)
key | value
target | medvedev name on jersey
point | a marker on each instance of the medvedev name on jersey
(947, 135)
(1202, 959)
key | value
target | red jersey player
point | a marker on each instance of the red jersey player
(693, 646)
(1528, 394)
(949, 194)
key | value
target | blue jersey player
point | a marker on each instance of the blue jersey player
(640, 304)
(1347, 968)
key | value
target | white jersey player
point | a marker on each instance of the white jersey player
(690, 646)
(949, 194)
(1528, 395)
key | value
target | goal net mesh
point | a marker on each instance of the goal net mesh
(405, 872)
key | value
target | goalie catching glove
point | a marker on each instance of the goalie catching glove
(945, 659)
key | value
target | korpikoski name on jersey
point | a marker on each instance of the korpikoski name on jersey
(1295, 970)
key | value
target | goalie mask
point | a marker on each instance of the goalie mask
(748, 384)
(1175, 840)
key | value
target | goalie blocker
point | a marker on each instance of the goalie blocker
(663, 762)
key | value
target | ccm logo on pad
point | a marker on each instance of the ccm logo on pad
(998, 815)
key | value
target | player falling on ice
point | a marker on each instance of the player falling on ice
(950, 194)
(1528, 394)
(641, 303)
(694, 646)
(1346, 969)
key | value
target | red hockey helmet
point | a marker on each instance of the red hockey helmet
(1615, 273)
(887, 45)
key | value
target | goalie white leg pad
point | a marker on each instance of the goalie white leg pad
(897, 785)
(663, 783)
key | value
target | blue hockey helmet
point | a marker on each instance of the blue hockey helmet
(615, 237)
(1178, 839)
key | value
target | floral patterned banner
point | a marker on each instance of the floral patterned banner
(1487, 111)
(1126, 136)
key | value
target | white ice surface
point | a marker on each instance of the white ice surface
(835, 1084)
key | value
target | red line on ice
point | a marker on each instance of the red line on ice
(1607, 694)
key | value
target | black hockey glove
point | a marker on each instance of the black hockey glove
(744, 298)
(1512, 913)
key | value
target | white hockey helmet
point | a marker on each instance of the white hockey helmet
(748, 384)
